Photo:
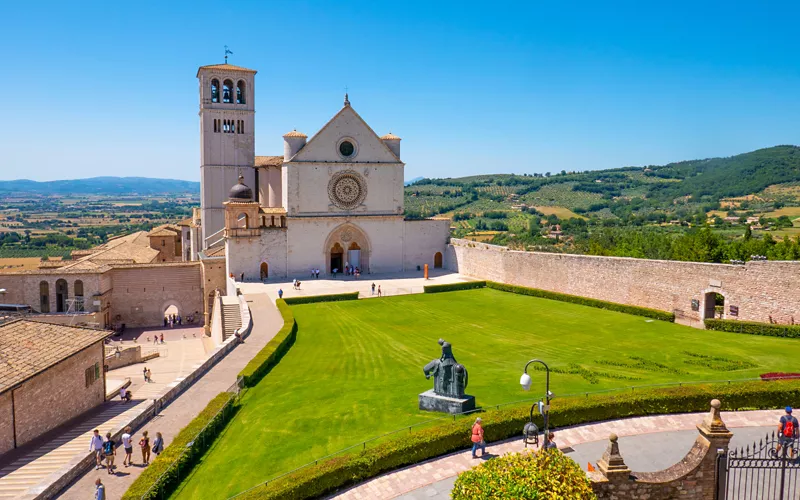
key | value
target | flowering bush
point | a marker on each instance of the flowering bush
(779, 376)
(536, 476)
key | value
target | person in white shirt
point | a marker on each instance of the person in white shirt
(96, 446)
(126, 443)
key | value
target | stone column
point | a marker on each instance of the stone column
(612, 465)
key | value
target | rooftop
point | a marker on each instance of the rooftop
(295, 133)
(28, 348)
(269, 161)
(225, 67)
(390, 136)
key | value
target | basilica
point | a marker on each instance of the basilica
(328, 202)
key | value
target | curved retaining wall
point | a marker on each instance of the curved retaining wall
(758, 289)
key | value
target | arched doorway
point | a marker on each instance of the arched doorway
(347, 244)
(78, 287)
(62, 294)
(336, 258)
(714, 305)
(437, 260)
(44, 297)
(171, 315)
(264, 271)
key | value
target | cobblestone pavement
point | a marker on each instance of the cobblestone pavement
(430, 478)
(390, 283)
(266, 322)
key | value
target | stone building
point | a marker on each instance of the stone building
(49, 375)
(331, 201)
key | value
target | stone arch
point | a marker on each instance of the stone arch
(264, 270)
(168, 304)
(437, 260)
(62, 295)
(354, 244)
(707, 302)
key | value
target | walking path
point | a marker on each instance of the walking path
(266, 323)
(434, 473)
(390, 283)
(32, 469)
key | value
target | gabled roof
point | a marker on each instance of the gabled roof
(28, 348)
(225, 67)
(346, 107)
(269, 161)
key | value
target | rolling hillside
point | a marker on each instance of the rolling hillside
(102, 186)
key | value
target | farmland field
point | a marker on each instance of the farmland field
(355, 370)
(561, 195)
(560, 212)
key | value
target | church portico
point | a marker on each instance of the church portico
(347, 245)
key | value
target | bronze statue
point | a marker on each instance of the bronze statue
(449, 377)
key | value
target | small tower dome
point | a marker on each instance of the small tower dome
(240, 192)
(393, 143)
(293, 142)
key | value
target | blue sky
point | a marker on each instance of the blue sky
(109, 88)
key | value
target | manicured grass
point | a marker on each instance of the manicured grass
(356, 369)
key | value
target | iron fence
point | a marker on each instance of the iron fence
(767, 470)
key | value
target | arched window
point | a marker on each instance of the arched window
(78, 287)
(242, 220)
(214, 90)
(227, 91)
(240, 92)
(44, 297)
(62, 294)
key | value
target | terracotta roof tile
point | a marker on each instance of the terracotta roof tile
(390, 136)
(295, 133)
(269, 161)
(225, 67)
(30, 347)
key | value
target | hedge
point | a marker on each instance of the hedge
(345, 470)
(336, 297)
(585, 301)
(469, 285)
(271, 354)
(163, 474)
(753, 328)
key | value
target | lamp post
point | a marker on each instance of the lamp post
(526, 381)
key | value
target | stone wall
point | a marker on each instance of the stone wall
(141, 294)
(759, 290)
(58, 394)
(693, 478)
(6, 423)
(422, 240)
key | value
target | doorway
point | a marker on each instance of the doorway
(264, 271)
(337, 252)
(61, 295)
(714, 305)
(437, 260)
(354, 255)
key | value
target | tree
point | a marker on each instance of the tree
(748, 233)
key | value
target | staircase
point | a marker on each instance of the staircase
(231, 316)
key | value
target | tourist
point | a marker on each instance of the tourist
(96, 447)
(787, 432)
(551, 443)
(379, 290)
(100, 490)
(109, 450)
(335, 270)
(280, 293)
(297, 285)
(180, 320)
(312, 272)
(294, 283)
(123, 394)
(126, 443)
(317, 273)
(150, 374)
(144, 444)
(155, 339)
(144, 373)
(158, 444)
(165, 323)
(477, 438)
(162, 338)
(373, 288)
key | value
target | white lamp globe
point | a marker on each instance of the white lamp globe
(525, 381)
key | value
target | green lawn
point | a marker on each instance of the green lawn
(356, 370)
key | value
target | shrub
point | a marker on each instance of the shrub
(469, 285)
(779, 376)
(336, 297)
(344, 470)
(271, 354)
(584, 301)
(163, 474)
(753, 328)
(547, 474)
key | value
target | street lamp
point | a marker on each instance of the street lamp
(526, 381)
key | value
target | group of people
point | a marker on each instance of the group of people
(106, 449)
(479, 442)
(296, 284)
(148, 376)
(373, 289)
(170, 320)
(315, 273)
(156, 339)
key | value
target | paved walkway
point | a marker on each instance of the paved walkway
(18, 477)
(390, 283)
(433, 472)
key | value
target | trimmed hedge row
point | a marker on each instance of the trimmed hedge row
(160, 478)
(271, 354)
(470, 285)
(334, 297)
(345, 470)
(753, 328)
(584, 301)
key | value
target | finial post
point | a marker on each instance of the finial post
(226, 54)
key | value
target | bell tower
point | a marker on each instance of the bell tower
(227, 140)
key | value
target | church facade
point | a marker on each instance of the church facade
(328, 202)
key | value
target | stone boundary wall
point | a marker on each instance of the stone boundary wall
(759, 290)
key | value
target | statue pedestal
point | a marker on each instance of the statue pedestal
(430, 401)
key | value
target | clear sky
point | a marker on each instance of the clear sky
(109, 88)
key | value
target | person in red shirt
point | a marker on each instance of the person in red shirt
(477, 438)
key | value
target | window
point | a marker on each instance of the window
(227, 91)
(240, 92)
(44, 297)
(78, 288)
(92, 374)
(216, 125)
(163, 243)
(214, 90)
